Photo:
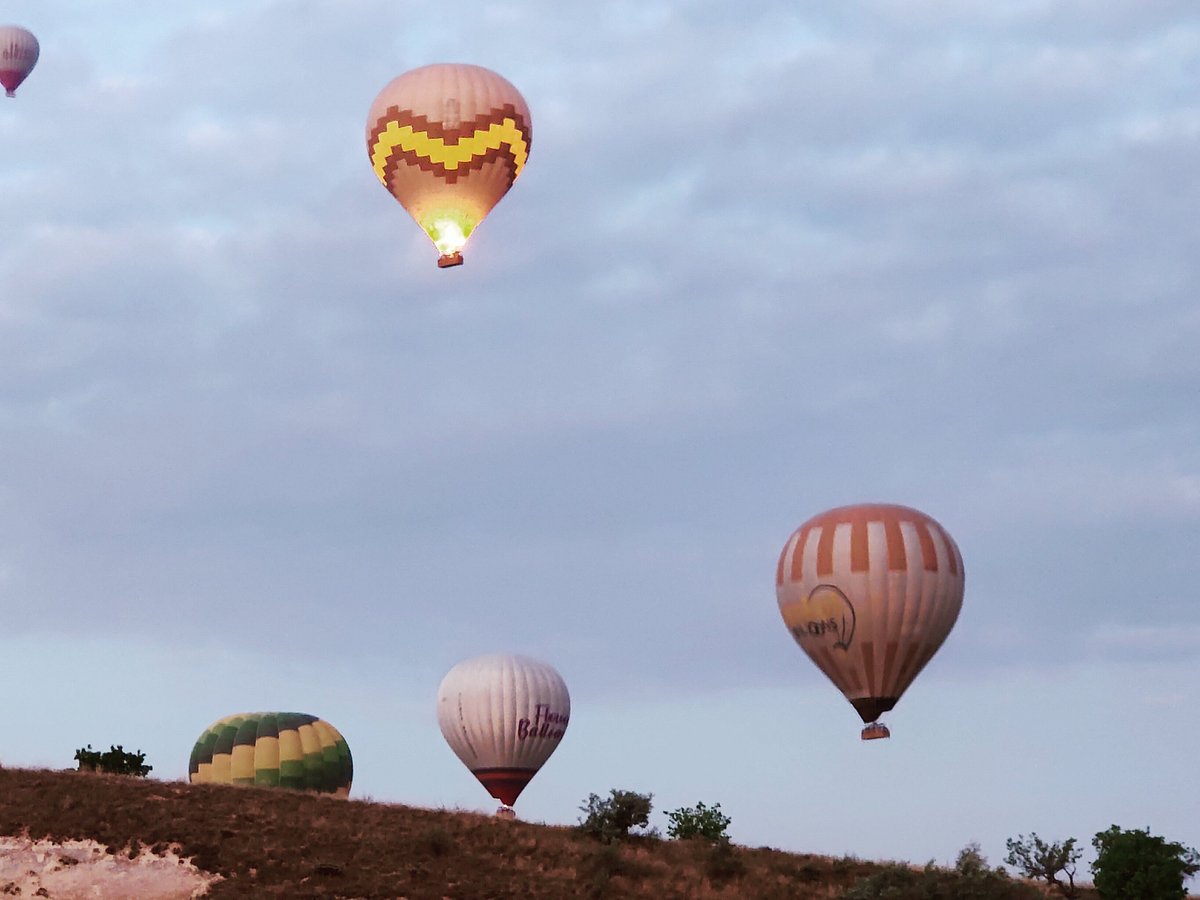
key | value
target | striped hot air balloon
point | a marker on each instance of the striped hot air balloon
(18, 55)
(870, 592)
(273, 749)
(448, 141)
(503, 716)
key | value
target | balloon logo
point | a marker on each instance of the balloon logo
(448, 141)
(287, 750)
(18, 55)
(503, 716)
(870, 592)
(828, 613)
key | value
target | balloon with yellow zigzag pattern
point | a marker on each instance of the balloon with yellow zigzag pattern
(448, 141)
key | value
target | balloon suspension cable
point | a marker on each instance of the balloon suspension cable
(506, 812)
(446, 260)
(875, 731)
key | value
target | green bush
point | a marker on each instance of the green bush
(114, 761)
(613, 818)
(970, 862)
(1136, 865)
(701, 822)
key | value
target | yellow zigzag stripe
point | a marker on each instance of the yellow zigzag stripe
(449, 155)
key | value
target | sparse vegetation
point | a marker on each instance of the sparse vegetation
(267, 842)
(614, 818)
(699, 822)
(1036, 859)
(114, 761)
(610, 870)
(970, 861)
(970, 879)
(436, 841)
(724, 863)
(1137, 865)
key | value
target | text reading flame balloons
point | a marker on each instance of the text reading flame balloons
(503, 716)
(448, 141)
(870, 592)
(18, 55)
(273, 749)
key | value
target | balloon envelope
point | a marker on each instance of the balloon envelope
(18, 55)
(870, 592)
(503, 716)
(448, 141)
(273, 749)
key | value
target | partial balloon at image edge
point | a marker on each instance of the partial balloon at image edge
(273, 749)
(19, 53)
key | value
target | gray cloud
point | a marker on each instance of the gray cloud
(758, 265)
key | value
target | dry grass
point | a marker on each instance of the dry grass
(272, 843)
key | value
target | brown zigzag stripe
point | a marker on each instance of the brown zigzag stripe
(451, 135)
(412, 158)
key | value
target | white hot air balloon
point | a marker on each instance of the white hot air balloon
(503, 716)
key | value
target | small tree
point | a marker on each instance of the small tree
(1136, 865)
(1034, 858)
(970, 862)
(706, 823)
(613, 818)
(114, 761)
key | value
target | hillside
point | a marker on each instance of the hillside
(272, 843)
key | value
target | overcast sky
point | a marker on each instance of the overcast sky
(258, 452)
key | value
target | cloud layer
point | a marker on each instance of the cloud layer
(759, 264)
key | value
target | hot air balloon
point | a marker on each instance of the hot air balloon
(18, 55)
(448, 141)
(870, 592)
(503, 716)
(273, 749)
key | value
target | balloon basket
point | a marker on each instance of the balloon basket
(506, 812)
(446, 260)
(875, 731)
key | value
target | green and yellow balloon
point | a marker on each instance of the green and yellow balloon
(273, 749)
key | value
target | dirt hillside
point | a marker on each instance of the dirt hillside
(273, 843)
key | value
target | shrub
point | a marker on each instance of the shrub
(1136, 865)
(436, 841)
(114, 761)
(613, 818)
(971, 879)
(603, 866)
(724, 862)
(706, 823)
(970, 862)
(606, 864)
